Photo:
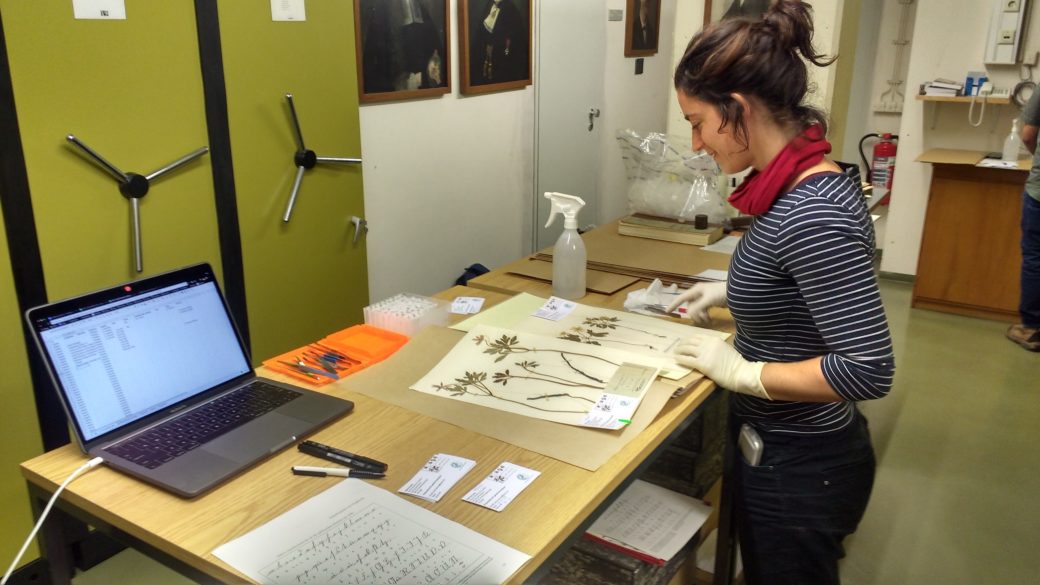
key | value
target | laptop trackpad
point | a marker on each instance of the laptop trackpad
(258, 438)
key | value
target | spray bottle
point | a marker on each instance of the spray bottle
(569, 252)
(1011, 143)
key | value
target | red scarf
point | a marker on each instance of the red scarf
(756, 194)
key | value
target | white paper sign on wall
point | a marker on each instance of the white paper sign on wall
(99, 9)
(288, 10)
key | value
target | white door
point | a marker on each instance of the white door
(568, 85)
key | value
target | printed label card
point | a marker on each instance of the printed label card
(467, 305)
(502, 486)
(437, 477)
(556, 308)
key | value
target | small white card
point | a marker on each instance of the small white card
(467, 305)
(624, 391)
(500, 487)
(288, 11)
(555, 309)
(99, 9)
(437, 476)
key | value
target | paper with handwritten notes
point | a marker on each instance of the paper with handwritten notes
(355, 533)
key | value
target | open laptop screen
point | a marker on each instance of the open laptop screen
(121, 357)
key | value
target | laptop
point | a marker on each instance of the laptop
(156, 381)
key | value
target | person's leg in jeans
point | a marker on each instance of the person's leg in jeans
(1027, 333)
(794, 510)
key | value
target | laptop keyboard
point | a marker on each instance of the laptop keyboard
(207, 422)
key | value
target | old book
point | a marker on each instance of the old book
(669, 230)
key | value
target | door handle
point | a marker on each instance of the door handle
(360, 225)
(593, 113)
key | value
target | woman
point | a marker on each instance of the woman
(812, 338)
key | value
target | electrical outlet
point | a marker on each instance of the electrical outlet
(1011, 5)
(1007, 37)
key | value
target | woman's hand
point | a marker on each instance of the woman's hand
(719, 361)
(699, 298)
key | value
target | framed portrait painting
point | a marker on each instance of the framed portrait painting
(716, 10)
(642, 23)
(403, 49)
(495, 42)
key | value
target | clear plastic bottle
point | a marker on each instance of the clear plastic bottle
(569, 256)
(1011, 144)
(569, 260)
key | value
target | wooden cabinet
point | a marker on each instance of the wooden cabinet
(970, 257)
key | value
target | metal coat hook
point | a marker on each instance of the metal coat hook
(134, 186)
(306, 159)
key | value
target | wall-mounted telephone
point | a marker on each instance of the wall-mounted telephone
(988, 90)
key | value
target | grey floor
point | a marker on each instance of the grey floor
(955, 500)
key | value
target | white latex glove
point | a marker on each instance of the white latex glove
(699, 298)
(721, 362)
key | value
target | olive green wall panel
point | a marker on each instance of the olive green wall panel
(19, 433)
(131, 90)
(304, 278)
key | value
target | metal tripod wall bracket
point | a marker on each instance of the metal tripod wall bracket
(305, 159)
(134, 186)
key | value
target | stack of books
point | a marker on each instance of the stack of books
(669, 230)
(940, 86)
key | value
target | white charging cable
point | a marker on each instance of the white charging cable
(82, 469)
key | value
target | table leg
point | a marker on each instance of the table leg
(56, 537)
(726, 545)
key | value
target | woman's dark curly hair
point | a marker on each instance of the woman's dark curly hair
(760, 58)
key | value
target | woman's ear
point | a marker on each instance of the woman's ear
(745, 104)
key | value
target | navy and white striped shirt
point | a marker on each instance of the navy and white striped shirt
(801, 285)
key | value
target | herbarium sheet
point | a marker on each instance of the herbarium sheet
(550, 378)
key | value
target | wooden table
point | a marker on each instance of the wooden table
(181, 533)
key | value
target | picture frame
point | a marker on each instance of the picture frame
(642, 27)
(495, 44)
(403, 49)
(716, 10)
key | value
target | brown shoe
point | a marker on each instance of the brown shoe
(1027, 337)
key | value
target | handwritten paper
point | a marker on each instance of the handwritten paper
(355, 533)
(651, 520)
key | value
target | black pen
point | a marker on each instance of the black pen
(343, 457)
(327, 471)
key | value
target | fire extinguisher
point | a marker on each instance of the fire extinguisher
(882, 166)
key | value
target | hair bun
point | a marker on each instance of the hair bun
(791, 26)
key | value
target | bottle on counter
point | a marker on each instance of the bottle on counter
(1012, 144)
(569, 256)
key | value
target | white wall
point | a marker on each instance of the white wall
(689, 19)
(631, 101)
(948, 41)
(449, 181)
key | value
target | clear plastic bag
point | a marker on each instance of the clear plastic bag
(667, 180)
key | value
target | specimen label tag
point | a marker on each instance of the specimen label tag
(466, 305)
(555, 309)
(621, 397)
(630, 380)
